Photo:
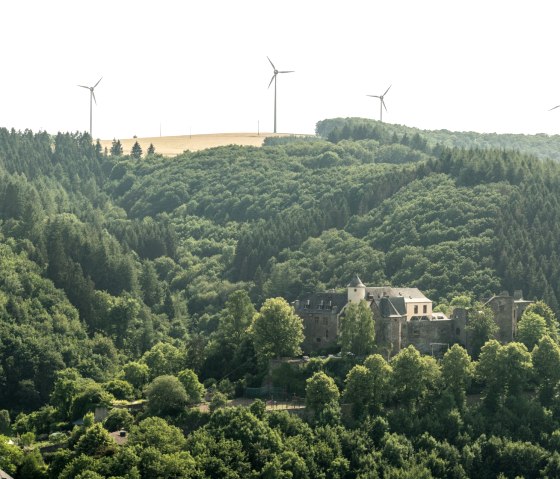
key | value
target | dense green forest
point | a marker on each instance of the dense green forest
(542, 145)
(130, 278)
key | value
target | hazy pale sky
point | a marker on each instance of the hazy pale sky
(201, 67)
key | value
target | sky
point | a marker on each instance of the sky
(192, 67)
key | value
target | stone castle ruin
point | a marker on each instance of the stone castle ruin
(403, 317)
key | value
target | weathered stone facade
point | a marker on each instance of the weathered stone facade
(507, 312)
(320, 314)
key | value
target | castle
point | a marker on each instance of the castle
(403, 317)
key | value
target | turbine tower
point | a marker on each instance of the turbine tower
(91, 100)
(274, 79)
(381, 103)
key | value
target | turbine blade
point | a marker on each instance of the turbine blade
(374, 96)
(383, 103)
(93, 95)
(273, 77)
(387, 90)
(97, 82)
(273, 67)
(84, 86)
(287, 71)
(554, 107)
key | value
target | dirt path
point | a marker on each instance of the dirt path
(270, 405)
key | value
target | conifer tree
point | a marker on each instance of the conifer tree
(116, 148)
(136, 151)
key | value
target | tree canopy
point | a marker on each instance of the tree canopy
(134, 281)
(276, 330)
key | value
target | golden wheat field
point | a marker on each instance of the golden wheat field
(174, 145)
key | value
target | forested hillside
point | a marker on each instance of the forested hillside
(118, 271)
(542, 145)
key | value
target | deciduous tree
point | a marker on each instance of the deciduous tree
(542, 309)
(414, 376)
(358, 391)
(137, 374)
(11, 456)
(276, 330)
(96, 442)
(156, 432)
(322, 395)
(457, 371)
(166, 395)
(480, 328)
(193, 387)
(531, 328)
(357, 329)
(546, 362)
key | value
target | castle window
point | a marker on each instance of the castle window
(316, 321)
(318, 340)
(325, 321)
(501, 307)
(415, 309)
(327, 334)
(457, 331)
(425, 308)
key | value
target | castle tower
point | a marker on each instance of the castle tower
(356, 290)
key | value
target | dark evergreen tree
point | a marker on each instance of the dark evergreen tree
(136, 151)
(116, 148)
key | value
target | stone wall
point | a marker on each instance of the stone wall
(429, 336)
(503, 307)
(320, 329)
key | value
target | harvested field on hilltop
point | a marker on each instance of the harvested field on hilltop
(175, 145)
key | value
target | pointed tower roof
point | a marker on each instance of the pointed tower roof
(356, 283)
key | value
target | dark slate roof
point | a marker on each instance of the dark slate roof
(389, 309)
(323, 301)
(356, 283)
(398, 304)
(408, 294)
(390, 301)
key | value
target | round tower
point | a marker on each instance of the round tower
(356, 290)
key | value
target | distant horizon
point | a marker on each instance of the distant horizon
(270, 133)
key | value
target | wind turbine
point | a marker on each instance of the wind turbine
(274, 75)
(381, 103)
(91, 98)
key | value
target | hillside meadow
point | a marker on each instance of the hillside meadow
(175, 145)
